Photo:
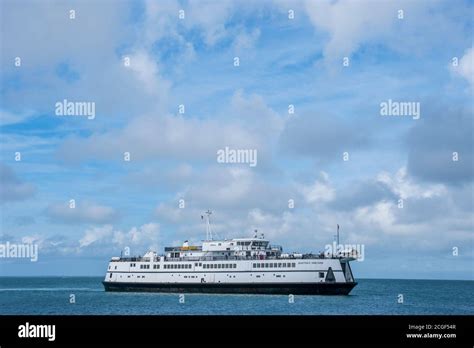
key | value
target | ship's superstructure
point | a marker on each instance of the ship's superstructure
(239, 265)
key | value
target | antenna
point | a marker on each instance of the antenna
(208, 225)
(338, 235)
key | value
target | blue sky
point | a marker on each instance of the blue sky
(283, 61)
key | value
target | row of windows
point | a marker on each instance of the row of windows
(274, 265)
(188, 266)
(178, 266)
(220, 265)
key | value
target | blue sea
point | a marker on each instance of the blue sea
(51, 295)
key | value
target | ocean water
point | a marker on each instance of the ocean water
(51, 295)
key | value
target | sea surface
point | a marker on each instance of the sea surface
(52, 295)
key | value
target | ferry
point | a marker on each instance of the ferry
(239, 265)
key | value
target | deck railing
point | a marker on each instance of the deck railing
(222, 258)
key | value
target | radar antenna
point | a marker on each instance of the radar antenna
(208, 224)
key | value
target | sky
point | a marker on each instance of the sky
(306, 96)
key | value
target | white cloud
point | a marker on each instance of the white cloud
(147, 233)
(147, 72)
(405, 187)
(210, 17)
(246, 40)
(170, 213)
(318, 192)
(84, 212)
(257, 116)
(350, 24)
(379, 215)
(165, 136)
(95, 234)
(141, 238)
(465, 66)
(161, 18)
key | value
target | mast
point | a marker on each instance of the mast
(208, 225)
(337, 235)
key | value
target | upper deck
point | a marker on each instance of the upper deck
(254, 248)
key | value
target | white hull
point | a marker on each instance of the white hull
(157, 276)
